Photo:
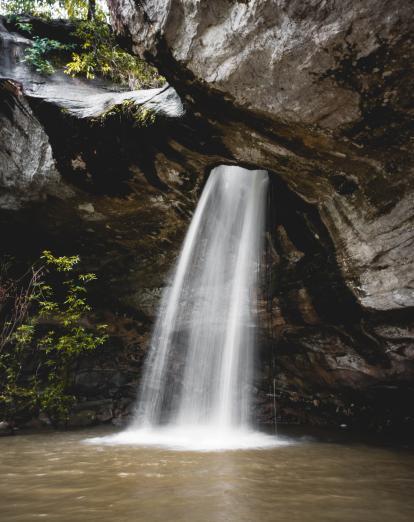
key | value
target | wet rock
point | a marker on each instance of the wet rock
(44, 419)
(88, 413)
(40, 422)
(5, 428)
(82, 419)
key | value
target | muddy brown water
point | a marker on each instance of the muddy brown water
(57, 477)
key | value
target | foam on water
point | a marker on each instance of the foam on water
(192, 438)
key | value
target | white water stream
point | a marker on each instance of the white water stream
(195, 393)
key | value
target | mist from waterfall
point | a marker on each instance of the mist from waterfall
(197, 382)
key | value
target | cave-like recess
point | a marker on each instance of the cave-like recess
(336, 309)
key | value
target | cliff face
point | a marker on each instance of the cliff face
(317, 93)
(320, 94)
(323, 92)
(78, 175)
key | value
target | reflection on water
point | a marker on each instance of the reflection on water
(58, 477)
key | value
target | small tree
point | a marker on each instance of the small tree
(39, 349)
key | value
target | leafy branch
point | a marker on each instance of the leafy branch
(37, 54)
(43, 334)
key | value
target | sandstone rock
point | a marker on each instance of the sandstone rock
(318, 93)
(273, 57)
(28, 171)
(76, 97)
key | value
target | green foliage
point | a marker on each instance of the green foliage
(37, 360)
(144, 116)
(96, 52)
(46, 8)
(24, 26)
(100, 55)
(38, 52)
(62, 264)
(140, 116)
(17, 21)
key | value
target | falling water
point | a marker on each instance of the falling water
(197, 381)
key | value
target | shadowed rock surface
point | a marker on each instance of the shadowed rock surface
(78, 176)
(320, 95)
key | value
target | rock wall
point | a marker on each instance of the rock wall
(317, 93)
(320, 95)
(28, 169)
(323, 90)
(79, 176)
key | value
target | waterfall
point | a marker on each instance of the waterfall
(196, 387)
(206, 317)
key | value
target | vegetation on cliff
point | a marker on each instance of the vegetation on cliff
(43, 332)
(93, 50)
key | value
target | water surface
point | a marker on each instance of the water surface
(56, 476)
